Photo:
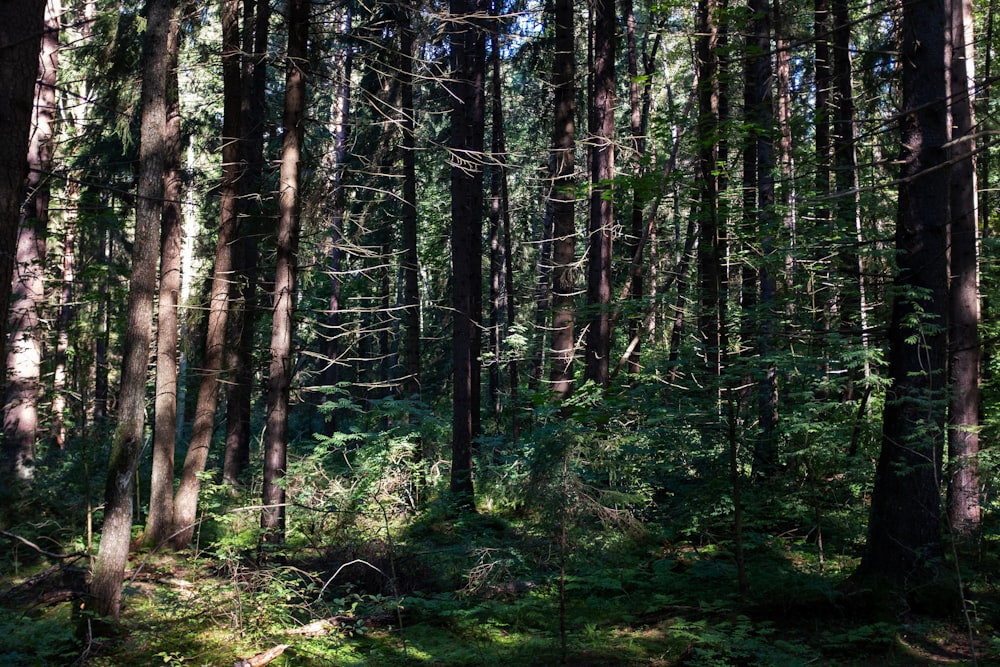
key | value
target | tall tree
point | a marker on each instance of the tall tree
(161, 487)
(467, 85)
(964, 314)
(272, 518)
(602, 170)
(186, 496)
(21, 27)
(410, 259)
(126, 444)
(904, 538)
(24, 355)
(562, 200)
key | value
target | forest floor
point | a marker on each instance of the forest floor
(486, 593)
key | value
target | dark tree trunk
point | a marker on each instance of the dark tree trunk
(602, 169)
(468, 54)
(256, 23)
(24, 355)
(161, 487)
(411, 264)
(964, 362)
(904, 533)
(562, 202)
(272, 518)
(186, 497)
(126, 444)
(21, 27)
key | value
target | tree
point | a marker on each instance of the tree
(904, 539)
(272, 518)
(467, 86)
(126, 444)
(161, 486)
(21, 26)
(964, 314)
(562, 201)
(186, 496)
(602, 215)
(24, 356)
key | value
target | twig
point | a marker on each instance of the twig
(47, 554)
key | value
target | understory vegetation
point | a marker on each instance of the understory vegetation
(608, 536)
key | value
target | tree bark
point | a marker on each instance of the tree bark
(272, 518)
(410, 231)
(186, 497)
(904, 539)
(602, 170)
(562, 202)
(126, 444)
(24, 355)
(161, 487)
(468, 55)
(964, 310)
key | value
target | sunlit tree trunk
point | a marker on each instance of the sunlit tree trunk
(126, 444)
(272, 518)
(562, 201)
(468, 55)
(24, 352)
(904, 533)
(186, 497)
(964, 313)
(161, 488)
(602, 168)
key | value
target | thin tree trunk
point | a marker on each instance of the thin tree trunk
(186, 497)
(964, 313)
(272, 518)
(562, 202)
(161, 487)
(602, 168)
(24, 354)
(411, 258)
(126, 444)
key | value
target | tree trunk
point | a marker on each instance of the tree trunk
(411, 259)
(602, 170)
(126, 444)
(904, 538)
(161, 487)
(272, 518)
(186, 497)
(24, 355)
(468, 54)
(562, 202)
(964, 313)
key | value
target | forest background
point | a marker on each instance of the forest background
(498, 333)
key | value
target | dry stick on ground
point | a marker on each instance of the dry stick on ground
(262, 659)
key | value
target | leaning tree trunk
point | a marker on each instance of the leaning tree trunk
(272, 517)
(904, 533)
(126, 444)
(186, 497)
(24, 356)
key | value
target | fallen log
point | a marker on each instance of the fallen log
(262, 659)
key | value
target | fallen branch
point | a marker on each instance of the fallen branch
(262, 659)
(47, 554)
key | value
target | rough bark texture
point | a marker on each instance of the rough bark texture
(468, 55)
(126, 444)
(161, 488)
(602, 170)
(24, 354)
(562, 202)
(964, 362)
(272, 518)
(904, 536)
(186, 497)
